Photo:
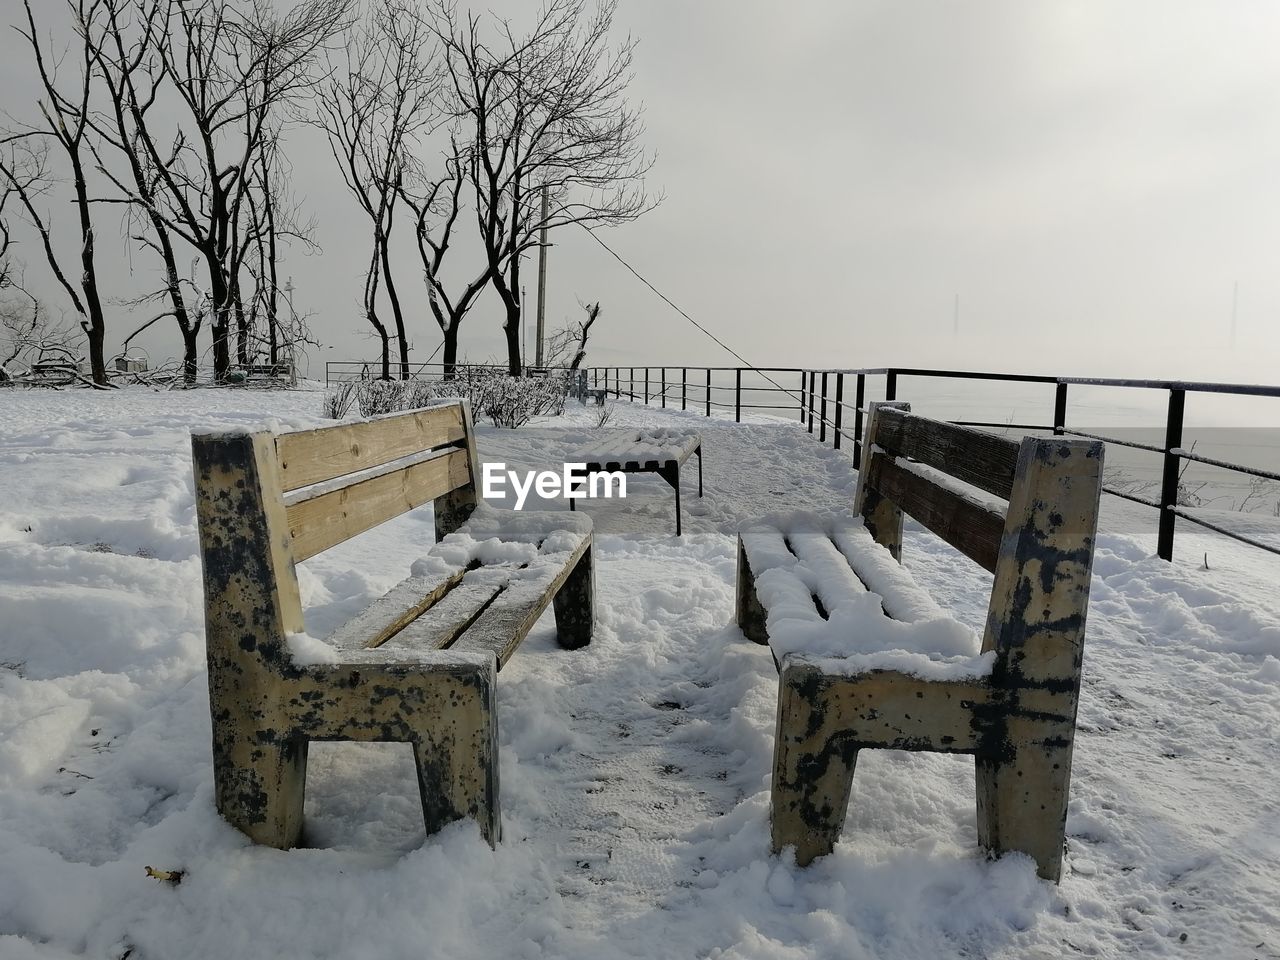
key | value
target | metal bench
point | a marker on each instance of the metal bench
(419, 664)
(661, 451)
(1018, 721)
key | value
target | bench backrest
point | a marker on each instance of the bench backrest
(265, 501)
(1038, 543)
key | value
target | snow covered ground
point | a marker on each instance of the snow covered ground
(634, 772)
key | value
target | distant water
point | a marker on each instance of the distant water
(1235, 429)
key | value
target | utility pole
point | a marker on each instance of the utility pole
(542, 272)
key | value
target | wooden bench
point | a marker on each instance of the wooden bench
(661, 451)
(418, 665)
(1018, 717)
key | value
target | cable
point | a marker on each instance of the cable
(751, 366)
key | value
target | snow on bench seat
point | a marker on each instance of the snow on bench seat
(498, 568)
(831, 593)
(636, 450)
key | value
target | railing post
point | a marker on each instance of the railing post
(664, 388)
(737, 395)
(646, 386)
(822, 416)
(708, 391)
(859, 397)
(839, 406)
(891, 385)
(631, 385)
(1059, 408)
(812, 386)
(684, 388)
(802, 396)
(1169, 482)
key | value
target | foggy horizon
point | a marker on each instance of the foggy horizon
(1096, 184)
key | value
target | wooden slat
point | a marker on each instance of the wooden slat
(968, 526)
(443, 623)
(320, 522)
(310, 456)
(508, 620)
(974, 456)
(392, 611)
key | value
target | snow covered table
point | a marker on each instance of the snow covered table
(660, 451)
(418, 665)
(868, 660)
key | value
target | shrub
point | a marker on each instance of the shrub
(504, 401)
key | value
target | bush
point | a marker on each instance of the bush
(504, 401)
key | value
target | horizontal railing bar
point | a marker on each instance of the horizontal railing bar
(968, 375)
(1270, 548)
(1237, 467)
(1121, 443)
(1132, 496)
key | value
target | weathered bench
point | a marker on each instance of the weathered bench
(419, 664)
(1015, 709)
(662, 451)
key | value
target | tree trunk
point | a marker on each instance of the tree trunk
(242, 325)
(512, 330)
(190, 354)
(95, 328)
(220, 321)
(397, 313)
(450, 351)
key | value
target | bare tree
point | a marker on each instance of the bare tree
(568, 347)
(7, 193)
(547, 110)
(64, 109)
(28, 334)
(379, 98)
(436, 204)
(273, 219)
(128, 61)
(235, 68)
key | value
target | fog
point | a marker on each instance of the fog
(1080, 189)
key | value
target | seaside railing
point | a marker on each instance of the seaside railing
(828, 402)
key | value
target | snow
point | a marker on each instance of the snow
(895, 625)
(634, 772)
(660, 445)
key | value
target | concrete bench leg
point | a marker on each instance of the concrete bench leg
(750, 614)
(259, 785)
(812, 770)
(575, 604)
(457, 762)
(1022, 799)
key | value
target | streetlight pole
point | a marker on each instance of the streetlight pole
(542, 273)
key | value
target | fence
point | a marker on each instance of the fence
(821, 399)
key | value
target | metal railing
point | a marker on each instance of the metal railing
(342, 371)
(819, 396)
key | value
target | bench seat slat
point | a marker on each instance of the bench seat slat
(321, 522)
(310, 456)
(440, 626)
(982, 459)
(391, 612)
(508, 620)
(965, 524)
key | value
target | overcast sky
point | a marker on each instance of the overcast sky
(1091, 179)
